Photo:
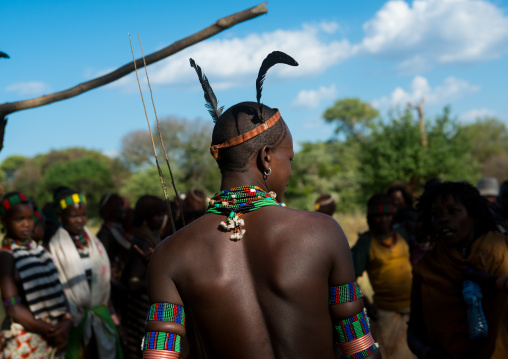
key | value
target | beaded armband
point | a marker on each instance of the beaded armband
(161, 344)
(344, 293)
(162, 341)
(166, 312)
(354, 338)
(9, 302)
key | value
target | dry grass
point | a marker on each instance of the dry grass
(352, 224)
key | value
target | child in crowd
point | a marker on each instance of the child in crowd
(37, 322)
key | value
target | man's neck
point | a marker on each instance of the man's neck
(238, 179)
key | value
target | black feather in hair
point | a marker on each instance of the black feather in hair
(211, 100)
(276, 57)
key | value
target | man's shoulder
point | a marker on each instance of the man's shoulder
(309, 221)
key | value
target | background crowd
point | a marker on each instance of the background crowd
(89, 297)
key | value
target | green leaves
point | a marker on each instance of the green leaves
(352, 116)
(393, 152)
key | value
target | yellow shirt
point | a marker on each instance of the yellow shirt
(389, 270)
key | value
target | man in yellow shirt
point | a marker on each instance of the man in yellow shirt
(384, 254)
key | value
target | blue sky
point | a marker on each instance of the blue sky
(389, 53)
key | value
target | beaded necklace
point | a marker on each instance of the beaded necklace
(9, 242)
(81, 240)
(235, 202)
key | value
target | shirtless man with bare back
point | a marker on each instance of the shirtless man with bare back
(255, 279)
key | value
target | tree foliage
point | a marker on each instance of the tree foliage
(375, 153)
(86, 170)
(87, 175)
(351, 116)
(325, 167)
(143, 182)
(187, 144)
(9, 167)
(394, 152)
(489, 138)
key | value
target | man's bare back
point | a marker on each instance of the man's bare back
(263, 290)
(265, 296)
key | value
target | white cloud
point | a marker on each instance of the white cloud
(417, 35)
(313, 98)
(474, 114)
(232, 62)
(450, 90)
(28, 88)
(329, 27)
(437, 31)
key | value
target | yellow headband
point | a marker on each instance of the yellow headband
(67, 201)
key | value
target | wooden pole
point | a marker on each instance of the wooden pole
(419, 109)
(219, 26)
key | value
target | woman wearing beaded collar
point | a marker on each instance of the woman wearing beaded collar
(84, 270)
(38, 323)
(254, 276)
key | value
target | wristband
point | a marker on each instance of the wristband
(9, 302)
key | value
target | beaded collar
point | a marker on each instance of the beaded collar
(239, 200)
(81, 240)
(7, 243)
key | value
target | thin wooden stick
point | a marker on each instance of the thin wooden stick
(160, 135)
(220, 25)
(163, 184)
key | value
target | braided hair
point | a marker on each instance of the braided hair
(239, 119)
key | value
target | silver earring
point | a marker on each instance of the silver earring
(269, 172)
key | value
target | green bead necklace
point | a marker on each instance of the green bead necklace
(236, 201)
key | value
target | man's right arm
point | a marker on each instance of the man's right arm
(165, 324)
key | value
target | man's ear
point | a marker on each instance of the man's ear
(264, 158)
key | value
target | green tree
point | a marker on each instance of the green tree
(9, 167)
(489, 137)
(352, 116)
(29, 175)
(325, 167)
(143, 182)
(87, 175)
(393, 152)
(187, 144)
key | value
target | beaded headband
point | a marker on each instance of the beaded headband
(214, 150)
(381, 209)
(38, 216)
(74, 198)
(12, 200)
(276, 57)
(324, 203)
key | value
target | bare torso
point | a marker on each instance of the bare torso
(264, 296)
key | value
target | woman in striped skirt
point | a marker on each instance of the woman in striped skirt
(37, 322)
